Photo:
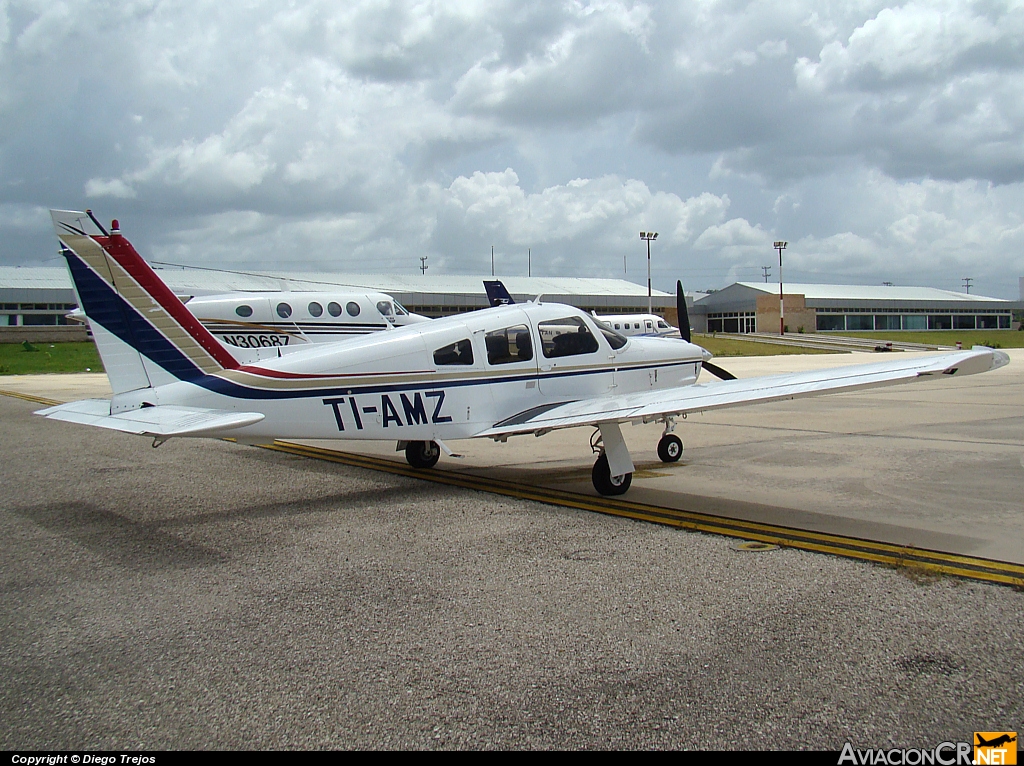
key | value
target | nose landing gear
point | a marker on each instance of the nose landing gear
(670, 448)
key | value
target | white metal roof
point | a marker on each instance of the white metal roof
(208, 282)
(866, 292)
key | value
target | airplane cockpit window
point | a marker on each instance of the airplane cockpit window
(615, 340)
(662, 325)
(566, 337)
(315, 309)
(334, 309)
(509, 345)
(400, 310)
(244, 311)
(385, 308)
(284, 310)
(460, 352)
(352, 308)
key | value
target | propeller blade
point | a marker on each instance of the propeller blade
(681, 315)
(718, 372)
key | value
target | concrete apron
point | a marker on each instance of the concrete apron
(936, 465)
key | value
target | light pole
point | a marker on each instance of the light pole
(423, 264)
(780, 246)
(648, 236)
(492, 260)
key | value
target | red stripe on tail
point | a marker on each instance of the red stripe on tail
(121, 250)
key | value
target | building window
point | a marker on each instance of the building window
(940, 322)
(887, 322)
(860, 322)
(915, 322)
(988, 322)
(828, 322)
(963, 321)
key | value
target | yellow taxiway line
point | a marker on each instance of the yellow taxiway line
(971, 567)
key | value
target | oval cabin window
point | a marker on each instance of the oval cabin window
(352, 308)
(315, 309)
(334, 309)
(244, 311)
(284, 310)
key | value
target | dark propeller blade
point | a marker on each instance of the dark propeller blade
(718, 372)
(681, 315)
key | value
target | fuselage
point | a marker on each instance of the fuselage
(633, 325)
(288, 319)
(450, 378)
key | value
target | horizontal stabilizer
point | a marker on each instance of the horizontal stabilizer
(654, 405)
(162, 420)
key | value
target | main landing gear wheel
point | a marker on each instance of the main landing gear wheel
(670, 448)
(605, 483)
(422, 454)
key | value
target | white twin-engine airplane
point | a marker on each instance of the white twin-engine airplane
(630, 325)
(495, 373)
(284, 319)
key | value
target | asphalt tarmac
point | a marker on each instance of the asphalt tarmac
(209, 595)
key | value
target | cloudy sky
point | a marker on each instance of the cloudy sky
(883, 141)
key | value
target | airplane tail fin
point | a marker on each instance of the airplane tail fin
(144, 334)
(497, 295)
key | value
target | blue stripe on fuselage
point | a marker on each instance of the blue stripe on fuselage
(241, 391)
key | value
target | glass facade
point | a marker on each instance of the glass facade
(833, 320)
(733, 321)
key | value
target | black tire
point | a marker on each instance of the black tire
(422, 454)
(605, 483)
(670, 448)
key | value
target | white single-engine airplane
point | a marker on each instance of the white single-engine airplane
(495, 373)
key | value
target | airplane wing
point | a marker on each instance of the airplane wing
(648, 406)
(163, 420)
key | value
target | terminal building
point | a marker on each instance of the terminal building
(42, 296)
(746, 307)
(36, 296)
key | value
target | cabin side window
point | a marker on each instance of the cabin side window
(512, 344)
(334, 309)
(315, 309)
(284, 310)
(244, 311)
(566, 337)
(352, 308)
(615, 340)
(460, 352)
